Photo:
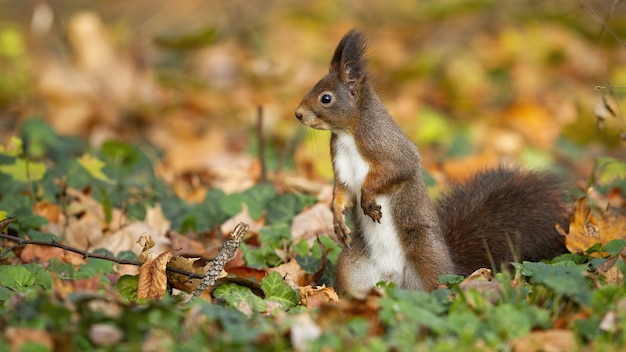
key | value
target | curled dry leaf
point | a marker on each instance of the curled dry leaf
(152, 278)
(148, 244)
(585, 229)
(313, 297)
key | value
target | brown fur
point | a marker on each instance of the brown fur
(504, 208)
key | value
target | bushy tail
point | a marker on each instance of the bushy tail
(506, 214)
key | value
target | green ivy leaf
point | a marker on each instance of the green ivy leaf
(231, 204)
(277, 290)
(257, 197)
(309, 264)
(236, 296)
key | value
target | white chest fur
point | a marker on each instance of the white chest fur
(386, 253)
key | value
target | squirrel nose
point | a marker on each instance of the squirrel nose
(299, 114)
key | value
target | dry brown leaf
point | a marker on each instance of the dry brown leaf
(314, 221)
(152, 278)
(293, 269)
(63, 288)
(45, 253)
(367, 308)
(313, 297)
(611, 272)
(193, 265)
(247, 272)
(547, 341)
(193, 248)
(145, 240)
(585, 230)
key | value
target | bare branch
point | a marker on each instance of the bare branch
(23, 242)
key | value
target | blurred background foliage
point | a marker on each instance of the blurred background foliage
(472, 82)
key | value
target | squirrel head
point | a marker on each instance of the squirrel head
(334, 103)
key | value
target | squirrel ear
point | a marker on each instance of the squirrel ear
(349, 61)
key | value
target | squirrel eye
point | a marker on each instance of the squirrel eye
(326, 98)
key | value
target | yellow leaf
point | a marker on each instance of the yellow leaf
(585, 230)
(94, 167)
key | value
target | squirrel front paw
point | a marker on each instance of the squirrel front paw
(371, 209)
(343, 232)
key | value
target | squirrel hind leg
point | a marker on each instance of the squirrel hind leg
(504, 215)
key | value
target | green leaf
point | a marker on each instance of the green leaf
(257, 197)
(127, 286)
(238, 297)
(5, 294)
(615, 246)
(120, 155)
(564, 278)
(16, 277)
(509, 321)
(309, 264)
(277, 290)
(231, 204)
(281, 209)
(100, 266)
(301, 248)
(450, 279)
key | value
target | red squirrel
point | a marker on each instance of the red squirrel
(399, 235)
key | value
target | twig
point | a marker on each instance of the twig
(261, 140)
(226, 253)
(22, 242)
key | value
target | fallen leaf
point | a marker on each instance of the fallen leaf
(314, 297)
(152, 278)
(585, 230)
(295, 272)
(312, 222)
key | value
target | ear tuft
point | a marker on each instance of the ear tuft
(349, 57)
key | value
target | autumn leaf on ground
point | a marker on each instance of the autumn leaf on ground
(152, 278)
(183, 282)
(585, 230)
(314, 297)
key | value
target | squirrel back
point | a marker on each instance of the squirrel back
(398, 234)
